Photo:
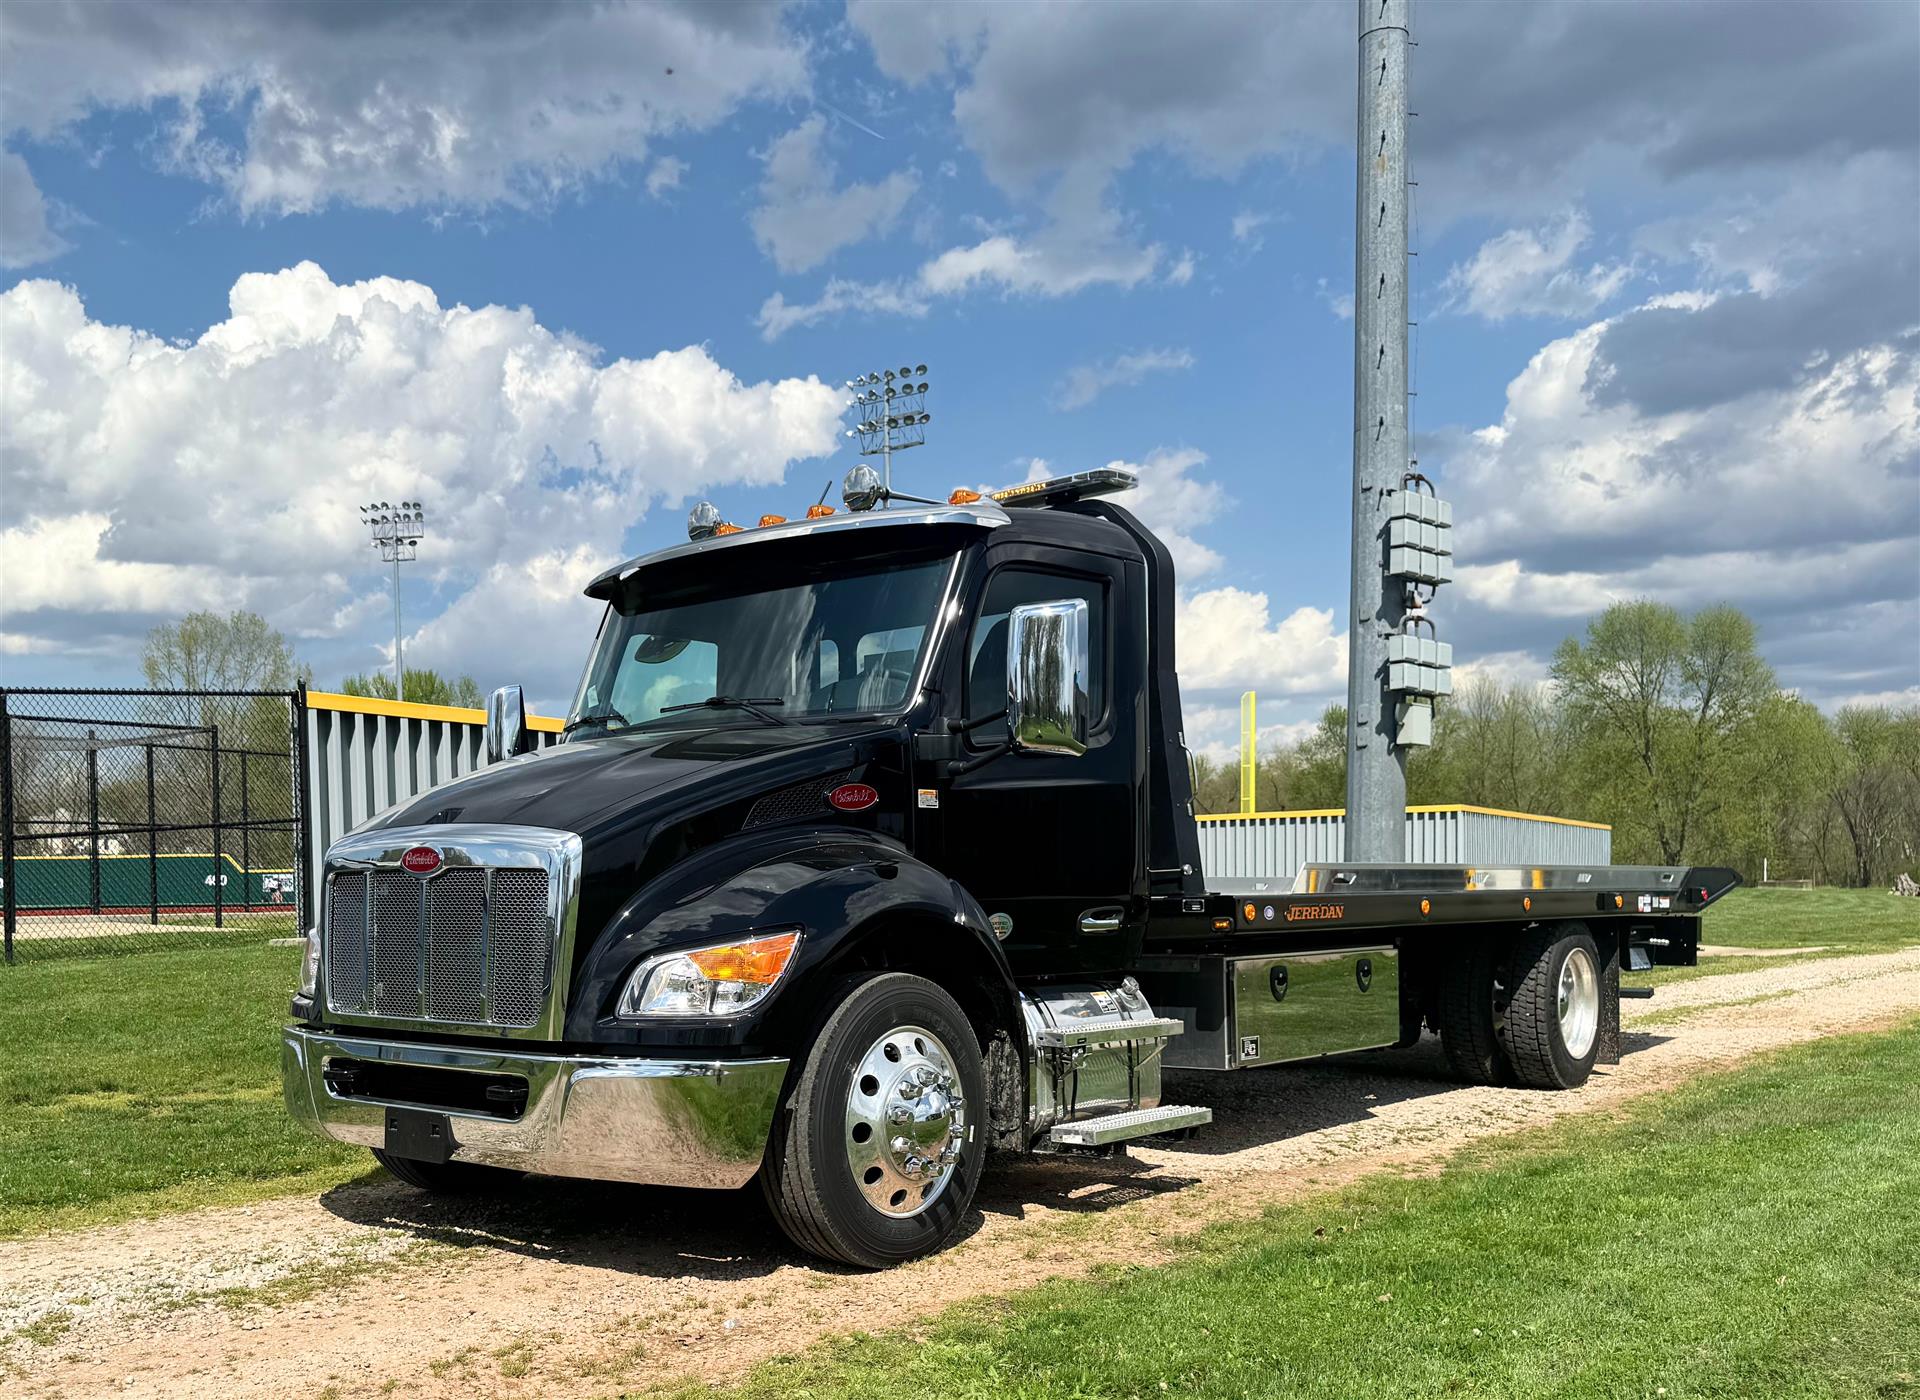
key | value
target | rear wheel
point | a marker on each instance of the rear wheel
(1552, 1026)
(1468, 1031)
(445, 1178)
(877, 1150)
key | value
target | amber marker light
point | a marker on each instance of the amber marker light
(759, 960)
(724, 528)
(819, 512)
(767, 520)
(963, 497)
(1250, 912)
(1526, 903)
(1619, 901)
(1223, 925)
(1426, 907)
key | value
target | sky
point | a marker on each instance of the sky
(557, 271)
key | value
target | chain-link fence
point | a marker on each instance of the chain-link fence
(139, 819)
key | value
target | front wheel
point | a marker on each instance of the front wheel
(1552, 1027)
(878, 1148)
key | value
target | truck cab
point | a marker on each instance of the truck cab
(868, 850)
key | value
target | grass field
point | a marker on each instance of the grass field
(130, 1086)
(1841, 921)
(1753, 1234)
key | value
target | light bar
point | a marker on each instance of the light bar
(1102, 481)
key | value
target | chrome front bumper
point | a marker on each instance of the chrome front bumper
(658, 1122)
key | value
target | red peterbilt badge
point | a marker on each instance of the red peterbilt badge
(421, 860)
(852, 797)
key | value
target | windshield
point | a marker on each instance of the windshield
(828, 640)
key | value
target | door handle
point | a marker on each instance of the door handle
(1101, 920)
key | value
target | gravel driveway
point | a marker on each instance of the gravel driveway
(579, 1289)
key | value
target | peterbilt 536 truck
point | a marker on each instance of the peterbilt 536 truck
(868, 851)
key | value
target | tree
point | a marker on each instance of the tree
(1874, 797)
(1661, 702)
(425, 687)
(205, 651)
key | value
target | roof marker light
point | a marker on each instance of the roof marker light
(963, 497)
(820, 512)
(767, 520)
(724, 528)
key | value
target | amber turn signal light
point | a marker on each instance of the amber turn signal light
(963, 497)
(760, 960)
(1249, 912)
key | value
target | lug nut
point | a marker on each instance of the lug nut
(909, 1090)
(900, 1147)
(934, 1169)
(899, 1113)
(927, 1074)
(913, 1166)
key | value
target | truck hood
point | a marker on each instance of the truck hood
(575, 786)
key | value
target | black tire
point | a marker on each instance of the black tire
(808, 1180)
(1533, 1030)
(445, 1178)
(1468, 1028)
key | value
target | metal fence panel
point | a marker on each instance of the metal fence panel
(368, 755)
(141, 819)
(1274, 845)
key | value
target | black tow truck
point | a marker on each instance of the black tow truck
(868, 851)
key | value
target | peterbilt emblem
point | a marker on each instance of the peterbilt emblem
(852, 797)
(421, 860)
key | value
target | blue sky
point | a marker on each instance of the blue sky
(1667, 287)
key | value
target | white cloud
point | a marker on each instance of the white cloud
(665, 175)
(463, 105)
(840, 296)
(1339, 303)
(1229, 640)
(1181, 272)
(1246, 229)
(803, 219)
(1085, 383)
(25, 237)
(1531, 272)
(145, 478)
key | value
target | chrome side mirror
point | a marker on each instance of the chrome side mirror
(507, 732)
(1047, 677)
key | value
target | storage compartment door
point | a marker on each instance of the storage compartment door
(1303, 1005)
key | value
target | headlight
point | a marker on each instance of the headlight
(310, 964)
(721, 980)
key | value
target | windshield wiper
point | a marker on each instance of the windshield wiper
(603, 714)
(732, 702)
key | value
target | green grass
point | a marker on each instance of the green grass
(55, 937)
(1752, 1234)
(1840, 920)
(133, 1086)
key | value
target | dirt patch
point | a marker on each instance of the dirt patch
(1721, 950)
(563, 1289)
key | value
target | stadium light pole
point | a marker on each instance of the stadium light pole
(397, 532)
(893, 414)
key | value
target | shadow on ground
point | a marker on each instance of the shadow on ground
(717, 1235)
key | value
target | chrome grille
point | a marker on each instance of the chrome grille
(395, 963)
(519, 982)
(468, 945)
(457, 946)
(347, 942)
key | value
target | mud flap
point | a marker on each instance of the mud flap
(1609, 1040)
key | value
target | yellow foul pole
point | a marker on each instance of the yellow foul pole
(1247, 703)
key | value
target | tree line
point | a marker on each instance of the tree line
(1670, 728)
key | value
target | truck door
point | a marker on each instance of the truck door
(1056, 843)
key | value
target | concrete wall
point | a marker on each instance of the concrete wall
(1274, 845)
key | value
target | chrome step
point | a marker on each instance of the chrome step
(1106, 1030)
(1122, 1127)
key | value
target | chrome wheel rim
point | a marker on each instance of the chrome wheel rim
(1579, 1002)
(906, 1122)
